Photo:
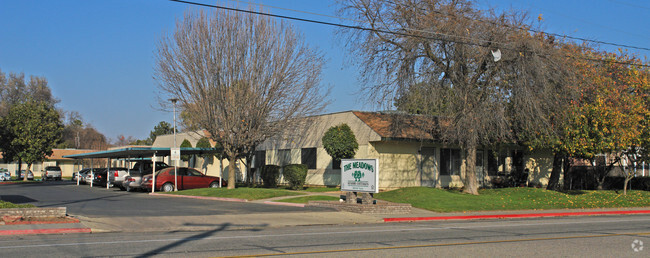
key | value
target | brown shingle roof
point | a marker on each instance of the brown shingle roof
(57, 154)
(401, 126)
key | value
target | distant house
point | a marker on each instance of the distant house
(408, 154)
(68, 166)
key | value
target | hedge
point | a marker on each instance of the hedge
(270, 175)
(295, 175)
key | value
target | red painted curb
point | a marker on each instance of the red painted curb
(45, 231)
(202, 197)
(526, 215)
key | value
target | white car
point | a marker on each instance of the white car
(5, 176)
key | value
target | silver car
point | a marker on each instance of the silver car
(141, 168)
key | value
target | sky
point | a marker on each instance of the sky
(98, 56)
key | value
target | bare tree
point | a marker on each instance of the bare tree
(242, 77)
(479, 71)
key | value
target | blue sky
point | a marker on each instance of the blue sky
(98, 55)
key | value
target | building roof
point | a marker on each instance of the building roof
(141, 152)
(58, 154)
(401, 126)
(167, 140)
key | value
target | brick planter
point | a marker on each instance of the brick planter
(58, 212)
(379, 208)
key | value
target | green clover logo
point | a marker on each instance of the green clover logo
(357, 175)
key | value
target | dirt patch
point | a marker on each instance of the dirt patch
(17, 220)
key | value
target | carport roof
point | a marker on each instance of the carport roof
(140, 152)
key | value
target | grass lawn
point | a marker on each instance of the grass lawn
(8, 205)
(441, 200)
(305, 199)
(241, 193)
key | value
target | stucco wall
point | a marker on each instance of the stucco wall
(540, 165)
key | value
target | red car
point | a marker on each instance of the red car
(187, 178)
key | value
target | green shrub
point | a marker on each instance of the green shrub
(295, 174)
(270, 175)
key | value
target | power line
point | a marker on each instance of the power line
(544, 32)
(479, 20)
(377, 30)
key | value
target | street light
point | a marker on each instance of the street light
(174, 100)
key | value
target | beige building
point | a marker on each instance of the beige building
(408, 155)
(68, 166)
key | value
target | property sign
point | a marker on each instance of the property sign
(176, 154)
(360, 175)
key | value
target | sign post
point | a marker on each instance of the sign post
(176, 157)
(359, 175)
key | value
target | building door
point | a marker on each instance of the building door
(480, 169)
(427, 167)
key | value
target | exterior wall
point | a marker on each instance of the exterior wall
(401, 163)
(540, 165)
(67, 167)
(308, 134)
(398, 164)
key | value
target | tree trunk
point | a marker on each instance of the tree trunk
(554, 180)
(625, 182)
(29, 168)
(232, 176)
(471, 182)
(221, 167)
(566, 167)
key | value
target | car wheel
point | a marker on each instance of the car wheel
(214, 185)
(168, 187)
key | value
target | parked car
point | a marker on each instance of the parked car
(117, 176)
(21, 175)
(187, 178)
(51, 173)
(99, 176)
(89, 176)
(82, 175)
(5, 175)
(141, 168)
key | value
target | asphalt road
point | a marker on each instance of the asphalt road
(99, 201)
(606, 236)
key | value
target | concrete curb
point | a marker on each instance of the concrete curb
(525, 215)
(202, 197)
(301, 205)
(44, 231)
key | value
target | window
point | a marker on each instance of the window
(336, 164)
(260, 159)
(450, 162)
(496, 162)
(192, 172)
(308, 157)
(284, 157)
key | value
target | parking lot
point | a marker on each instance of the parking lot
(101, 202)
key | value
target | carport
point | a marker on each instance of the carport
(139, 153)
